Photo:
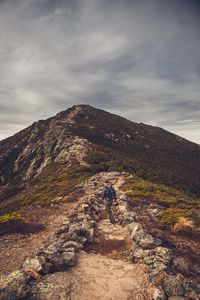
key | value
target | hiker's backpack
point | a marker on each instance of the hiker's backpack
(109, 192)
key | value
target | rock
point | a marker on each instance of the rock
(14, 286)
(57, 264)
(174, 285)
(91, 235)
(69, 257)
(182, 265)
(196, 269)
(85, 207)
(137, 232)
(80, 217)
(74, 228)
(157, 278)
(158, 294)
(123, 197)
(96, 217)
(50, 250)
(34, 264)
(148, 242)
(163, 252)
(155, 263)
(64, 260)
(129, 216)
(140, 253)
(143, 218)
(85, 229)
(95, 208)
(63, 228)
(122, 208)
(69, 244)
(64, 237)
(89, 218)
(82, 239)
(65, 222)
(158, 266)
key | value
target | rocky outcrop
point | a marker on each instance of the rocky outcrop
(26, 154)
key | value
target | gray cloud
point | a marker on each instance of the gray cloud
(139, 59)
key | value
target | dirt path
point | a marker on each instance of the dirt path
(102, 273)
(100, 277)
(103, 270)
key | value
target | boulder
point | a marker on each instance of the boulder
(87, 231)
(137, 232)
(140, 253)
(182, 265)
(64, 237)
(174, 285)
(155, 263)
(80, 217)
(129, 216)
(14, 286)
(158, 266)
(69, 257)
(69, 244)
(95, 208)
(158, 294)
(74, 228)
(53, 249)
(163, 252)
(82, 239)
(64, 260)
(33, 264)
(62, 229)
(148, 242)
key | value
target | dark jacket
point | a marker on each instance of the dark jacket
(108, 192)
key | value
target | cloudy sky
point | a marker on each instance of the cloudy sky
(139, 59)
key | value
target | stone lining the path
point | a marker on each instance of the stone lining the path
(59, 253)
(150, 251)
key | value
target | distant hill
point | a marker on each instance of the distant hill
(84, 140)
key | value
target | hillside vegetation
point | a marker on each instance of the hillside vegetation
(148, 151)
(173, 203)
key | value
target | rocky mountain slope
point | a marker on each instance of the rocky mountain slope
(39, 162)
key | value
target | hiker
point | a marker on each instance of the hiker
(108, 195)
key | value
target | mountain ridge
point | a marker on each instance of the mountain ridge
(94, 140)
(63, 112)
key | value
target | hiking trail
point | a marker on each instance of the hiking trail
(103, 270)
(85, 257)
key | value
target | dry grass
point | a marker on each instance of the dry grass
(184, 225)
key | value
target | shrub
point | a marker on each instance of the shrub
(15, 223)
(14, 217)
(184, 225)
